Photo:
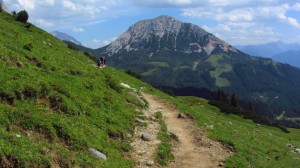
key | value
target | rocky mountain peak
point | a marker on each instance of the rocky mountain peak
(167, 33)
(65, 37)
(157, 25)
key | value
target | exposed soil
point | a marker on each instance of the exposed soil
(193, 149)
(144, 151)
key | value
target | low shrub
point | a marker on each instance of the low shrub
(22, 16)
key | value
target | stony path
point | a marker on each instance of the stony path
(144, 151)
(193, 150)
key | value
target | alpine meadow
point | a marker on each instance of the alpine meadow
(170, 95)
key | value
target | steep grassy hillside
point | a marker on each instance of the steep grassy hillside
(55, 105)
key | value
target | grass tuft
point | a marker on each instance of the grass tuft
(164, 150)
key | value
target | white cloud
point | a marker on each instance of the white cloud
(240, 34)
(43, 22)
(239, 14)
(27, 4)
(249, 24)
(68, 13)
(296, 7)
(69, 5)
(294, 39)
(293, 22)
(97, 43)
(78, 30)
(50, 2)
(212, 4)
(224, 28)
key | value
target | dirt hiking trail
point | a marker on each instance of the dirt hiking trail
(193, 150)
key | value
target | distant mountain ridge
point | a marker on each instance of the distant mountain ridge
(170, 53)
(268, 50)
(291, 57)
(278, 51)
(65, 37)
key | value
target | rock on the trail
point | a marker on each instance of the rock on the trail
(221, 164)
(146, 137)
(181, 115)
(97, 153)
(297, 150)
(139, 121)
(152, 118)
(289, 145)
(150, 163)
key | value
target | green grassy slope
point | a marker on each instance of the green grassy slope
(253, 145)
(55, 105)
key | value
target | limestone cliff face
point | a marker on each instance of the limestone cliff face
(167, 33)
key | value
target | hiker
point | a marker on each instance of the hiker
(102, 60)
(99, 62)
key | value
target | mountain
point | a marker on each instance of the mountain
(167, 33)
(268, 50)
(291, 57)
(171, 54)
(55, 106)
(65, 37)
(278, 51)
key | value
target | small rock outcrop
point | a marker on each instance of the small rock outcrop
(97, 154)
(139, 121)
(150, 163)
(182, 116)
(146, 137)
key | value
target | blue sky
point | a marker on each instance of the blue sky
(96, 23)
